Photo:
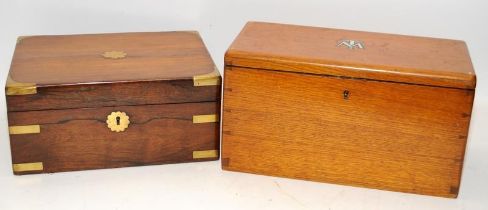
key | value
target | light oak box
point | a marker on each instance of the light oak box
(365, 109)
(78, 102)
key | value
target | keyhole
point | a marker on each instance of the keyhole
(117, 119)
(346, 94)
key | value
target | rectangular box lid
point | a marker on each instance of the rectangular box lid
(354, 54)
(73, 71)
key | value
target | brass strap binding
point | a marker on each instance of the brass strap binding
(208, 118)
(24, 129)
(22, 167)
(205, 154)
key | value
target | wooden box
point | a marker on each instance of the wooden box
(79, 102)
(356, 108)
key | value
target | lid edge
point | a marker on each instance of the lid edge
(412, 76)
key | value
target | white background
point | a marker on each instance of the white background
(205, 185)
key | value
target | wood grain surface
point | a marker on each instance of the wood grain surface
(114, 94)
(79, 139)
(73, 59)
(70, 71)
(385, 57)
(384, 135)
(75, 81)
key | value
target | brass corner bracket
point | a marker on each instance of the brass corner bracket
(193, 32)
(210, 79)
(20, 38)
(13, 88)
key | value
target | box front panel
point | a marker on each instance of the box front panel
(78, 139)
(382, 135)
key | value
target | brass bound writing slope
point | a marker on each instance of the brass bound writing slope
(79, 102)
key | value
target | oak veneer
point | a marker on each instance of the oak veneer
(395, 125)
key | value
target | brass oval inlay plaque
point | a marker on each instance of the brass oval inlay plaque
(114, 54)
(118, 121)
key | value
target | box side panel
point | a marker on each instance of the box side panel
(79, 139)
(382, 135)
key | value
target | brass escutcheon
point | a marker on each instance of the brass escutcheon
(118, 121)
